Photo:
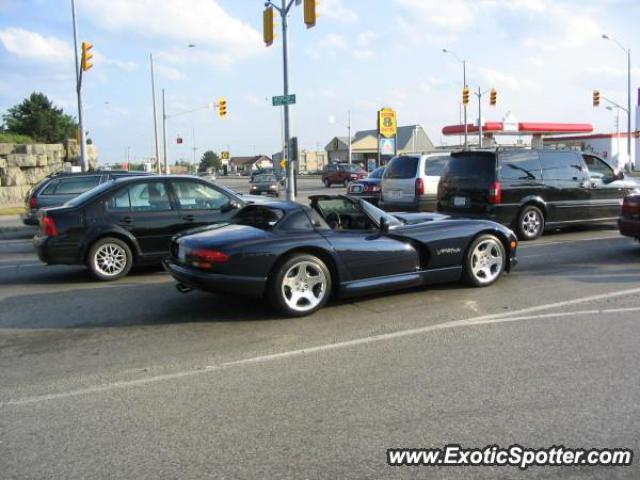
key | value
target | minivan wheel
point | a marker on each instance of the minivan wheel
(109, 259)
(530, 223)
(485, 261)
(327, 183)
(301, 285)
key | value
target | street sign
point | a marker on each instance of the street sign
(387, 146)
(224, 155)
(280, 100)
(387, 122)
(283, 164)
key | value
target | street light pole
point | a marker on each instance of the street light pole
(628, 52)
(291, 193)
(82, 139)
(479, 117)
(155, 115)
(464, 85)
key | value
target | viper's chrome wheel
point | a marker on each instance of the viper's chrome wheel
(487, 261)
(304, 286)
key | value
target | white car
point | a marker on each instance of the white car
(410, 182)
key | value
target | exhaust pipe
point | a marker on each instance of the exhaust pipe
(182, 288)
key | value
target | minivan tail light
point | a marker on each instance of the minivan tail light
(48, 226)
(495, 192)
(33, 203)
(631, 207)
(419, 186)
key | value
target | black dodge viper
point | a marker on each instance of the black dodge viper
(296, 257)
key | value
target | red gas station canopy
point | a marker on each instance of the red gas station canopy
(522, 128)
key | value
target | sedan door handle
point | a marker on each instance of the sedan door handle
(189, 218)
(126, 220)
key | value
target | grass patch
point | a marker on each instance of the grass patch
(11, 210)
(6, 137)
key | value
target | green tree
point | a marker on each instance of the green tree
(209, 160)
(40, 119)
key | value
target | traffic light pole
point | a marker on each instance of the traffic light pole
(82, 139)
(464, 81)
(479, 117)
(291, 189)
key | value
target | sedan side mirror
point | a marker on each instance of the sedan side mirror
(384, 225)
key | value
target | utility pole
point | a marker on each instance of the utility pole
(464, 85)
(479, 117)
(155, 115)
(82, 139)
(349, 139)
(164, 135)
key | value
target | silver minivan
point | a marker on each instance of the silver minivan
(410, 182)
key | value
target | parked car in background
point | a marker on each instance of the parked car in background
(297, 256)
(368, 188)
(266, 183)
(530, 189)
(342, 173)
(629, 221)
(59, 188)
(263, 171)
(410, 182)
(129, 221)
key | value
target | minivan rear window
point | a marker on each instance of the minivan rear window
(472, 166)
(402, 167)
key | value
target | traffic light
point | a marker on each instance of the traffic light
(222, 107)
(596, 98)
(86, 56)
(267, 27)
(465, 96)
(493, 97)
(310, 14)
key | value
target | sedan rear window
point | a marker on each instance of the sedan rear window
(402, 167)
(474, 166)
(70, 186)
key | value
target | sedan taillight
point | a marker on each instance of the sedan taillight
(631, 207)
(33, 203)
(48, 226)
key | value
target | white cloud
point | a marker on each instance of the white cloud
(333, 41)
(450, 15)
(498, 79)
(363, 48)
(168, 72)
(335, 10)
(203, 22)
(35, 46)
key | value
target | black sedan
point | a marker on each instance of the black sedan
(296, 256)
(130, 221)
(266, 183)
(629, 221)
(369, 188)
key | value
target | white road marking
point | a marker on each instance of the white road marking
(470, 322)
(22, 265)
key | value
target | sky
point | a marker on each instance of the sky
(544, 57)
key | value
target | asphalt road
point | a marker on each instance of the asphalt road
(133, 380)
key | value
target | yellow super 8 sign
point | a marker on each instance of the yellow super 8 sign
(387, 122)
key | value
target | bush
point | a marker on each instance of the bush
(6, 137)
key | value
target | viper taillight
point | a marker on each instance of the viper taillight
(631, 207)
(205, 258)
(48, 227)
(419, 187)
(495, 193)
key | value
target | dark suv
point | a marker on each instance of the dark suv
(342, 173)
(532, 189)
(59, 188)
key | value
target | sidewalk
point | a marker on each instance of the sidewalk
(11, 227)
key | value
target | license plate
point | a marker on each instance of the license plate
(356, 188)
(395, 194)
(459, 201)
(182, 255)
